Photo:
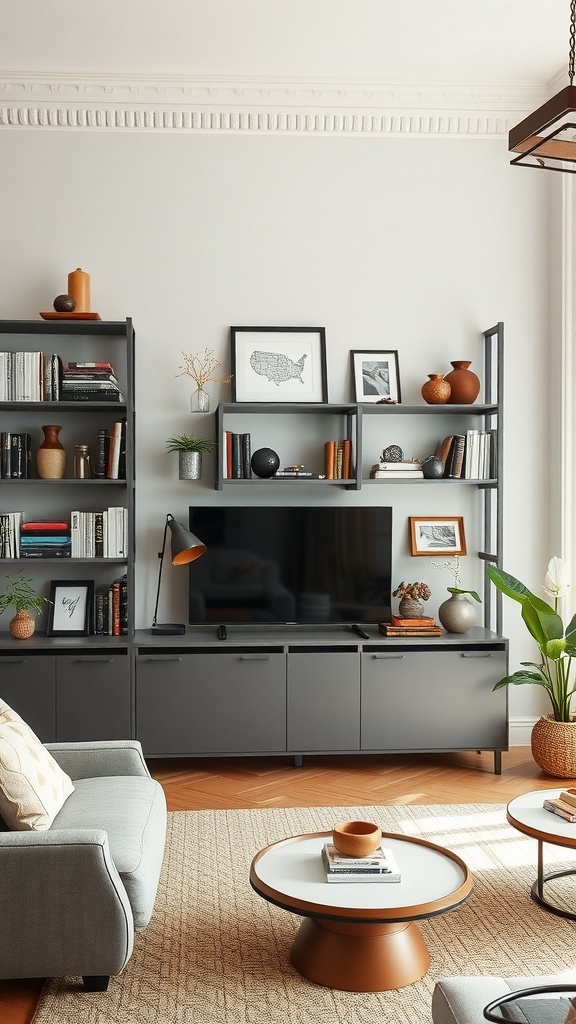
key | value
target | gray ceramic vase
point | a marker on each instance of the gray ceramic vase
(189, 465)
(457, 614)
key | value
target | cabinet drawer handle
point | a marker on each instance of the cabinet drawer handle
(475, 654)
(162, 657)
(15, 661)
(96, 657)
(254, 657)
(388, 657)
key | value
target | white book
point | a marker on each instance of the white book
(75, 534)
(3, 377)
(402, 474)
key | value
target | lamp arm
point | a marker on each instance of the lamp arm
(161, 557)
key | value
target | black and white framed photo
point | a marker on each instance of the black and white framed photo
(278, 364)
(437, 535)
(71, 607)
(376, 375)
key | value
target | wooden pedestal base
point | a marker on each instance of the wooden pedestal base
(359, 957)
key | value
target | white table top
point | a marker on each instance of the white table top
(291, 873)
(527, 814)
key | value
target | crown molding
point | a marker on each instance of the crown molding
(262, 105)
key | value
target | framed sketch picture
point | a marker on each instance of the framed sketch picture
(437, 535)
(278, 364)
(376, 375)
(71, 608)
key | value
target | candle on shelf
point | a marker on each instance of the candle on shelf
(79, 289)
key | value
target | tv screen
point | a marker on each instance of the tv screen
(271, 564)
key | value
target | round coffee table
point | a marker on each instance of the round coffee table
(360, 937)
(527, 814)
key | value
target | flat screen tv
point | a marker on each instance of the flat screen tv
(303, 565)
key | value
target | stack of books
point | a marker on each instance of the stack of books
(90, 382)
(380, 866)
(564, 805)
(397, 471)
(111, 609)
(398, 626)
(49, 538)
(338, 460)
(15, 451)
(236, 456)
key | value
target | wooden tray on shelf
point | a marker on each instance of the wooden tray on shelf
(50, 315)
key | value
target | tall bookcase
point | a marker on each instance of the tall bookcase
(62, 700)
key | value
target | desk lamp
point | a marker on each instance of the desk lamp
(185, 547)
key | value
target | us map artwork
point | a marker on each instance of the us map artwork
(276, 367)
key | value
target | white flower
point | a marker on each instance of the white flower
(556, 583)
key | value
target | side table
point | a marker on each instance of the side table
(527, 814)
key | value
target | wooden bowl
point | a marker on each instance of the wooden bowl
(356, 838)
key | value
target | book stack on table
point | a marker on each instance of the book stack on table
(380, 866)
(398, 626)
(564, 805)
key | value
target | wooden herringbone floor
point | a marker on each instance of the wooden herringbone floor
(321, 782)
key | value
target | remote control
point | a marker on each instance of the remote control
(222, 633)
(360, 632)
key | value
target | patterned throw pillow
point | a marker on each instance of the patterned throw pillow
(33, 787)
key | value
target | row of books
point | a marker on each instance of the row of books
(109, 459)
(99, 534)
(398, 626)
(10, 523)
(15, 455)
(42, 377)
(111, 609)
(469, 456)
(236, 456)
(564, 805)
(338, 460)
(379, 866)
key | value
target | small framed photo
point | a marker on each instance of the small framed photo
(437, 535)
(71, 607)
(376, 376)
(279, 364)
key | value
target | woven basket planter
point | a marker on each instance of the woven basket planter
(22, 626)
(554, 747)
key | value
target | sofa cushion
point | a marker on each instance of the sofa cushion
(132, 810)
(33, 787)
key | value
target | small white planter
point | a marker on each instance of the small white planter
(189, 465)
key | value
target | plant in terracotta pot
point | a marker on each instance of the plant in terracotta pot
(190, 451)
(457, 613)
(554, 735)
(21, 596)
(411, 596)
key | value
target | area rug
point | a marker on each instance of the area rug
(216, 953)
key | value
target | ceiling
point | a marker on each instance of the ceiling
(490, 42)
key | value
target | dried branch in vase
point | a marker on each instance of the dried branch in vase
(201, 367)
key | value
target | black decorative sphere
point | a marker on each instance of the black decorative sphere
(432, 468)
(64, 304)
(264, 462)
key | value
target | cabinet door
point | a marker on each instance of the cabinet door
(433, 700)
(93, 696)
(27, 684)
(211, 703)
(324, 701)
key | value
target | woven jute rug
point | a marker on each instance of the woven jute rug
(216, 953)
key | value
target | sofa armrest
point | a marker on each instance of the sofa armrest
(63, 907)
(94, 759)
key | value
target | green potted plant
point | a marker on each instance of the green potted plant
(554, 735)
(457, 613)
(190, 451)
(21, 596)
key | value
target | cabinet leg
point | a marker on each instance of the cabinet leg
(497, 762)
(298, 759)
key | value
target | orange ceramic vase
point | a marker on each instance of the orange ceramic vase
(464, 384)
(436, 390)
(51, 455)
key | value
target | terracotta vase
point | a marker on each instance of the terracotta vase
(51, 455)
(22, 625)
(436, 390)
(464, 384)
(554, 747)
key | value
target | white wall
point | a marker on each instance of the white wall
(414, 244)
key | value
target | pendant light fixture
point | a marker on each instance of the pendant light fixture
(546, 139)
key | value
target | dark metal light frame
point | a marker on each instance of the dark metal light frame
(546, 139)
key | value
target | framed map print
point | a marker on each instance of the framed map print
(278, 364)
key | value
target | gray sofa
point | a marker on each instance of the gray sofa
(71, 896)
(462, 1000)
